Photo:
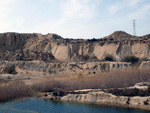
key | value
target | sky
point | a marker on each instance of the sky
(75, 18)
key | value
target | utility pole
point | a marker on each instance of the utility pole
(134, 28)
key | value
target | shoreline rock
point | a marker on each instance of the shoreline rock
(101, 97)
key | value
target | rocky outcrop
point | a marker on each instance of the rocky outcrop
(109, 98)
(49, 67)
(145, 64)
(53, 48)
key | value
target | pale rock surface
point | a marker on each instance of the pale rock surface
(49, 67)
(103, 97)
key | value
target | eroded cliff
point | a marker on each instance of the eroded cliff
(52, 47)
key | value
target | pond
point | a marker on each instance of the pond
(34, 105)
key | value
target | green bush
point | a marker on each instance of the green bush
(131, 59)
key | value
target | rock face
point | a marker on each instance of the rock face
(87, 68)
(108, 99)
(145, 64)
(51, 47)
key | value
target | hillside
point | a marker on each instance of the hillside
(54, 48)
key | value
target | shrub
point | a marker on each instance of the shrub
(115, 79)
(92, 40)
(131, 59)
(47, 86)
(14, 90)
(89, 58)
(85, 58)
(11, 70)
(108, 58)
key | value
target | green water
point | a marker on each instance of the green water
(41, 106)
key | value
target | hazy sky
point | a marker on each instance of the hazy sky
(75, 18)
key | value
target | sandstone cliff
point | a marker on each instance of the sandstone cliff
(52, 47)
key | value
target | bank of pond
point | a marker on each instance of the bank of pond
(34, 105)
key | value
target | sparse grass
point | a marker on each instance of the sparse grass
(14, 90)
(116, 79)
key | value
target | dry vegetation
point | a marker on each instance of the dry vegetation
(115, 79)
(14, 90)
